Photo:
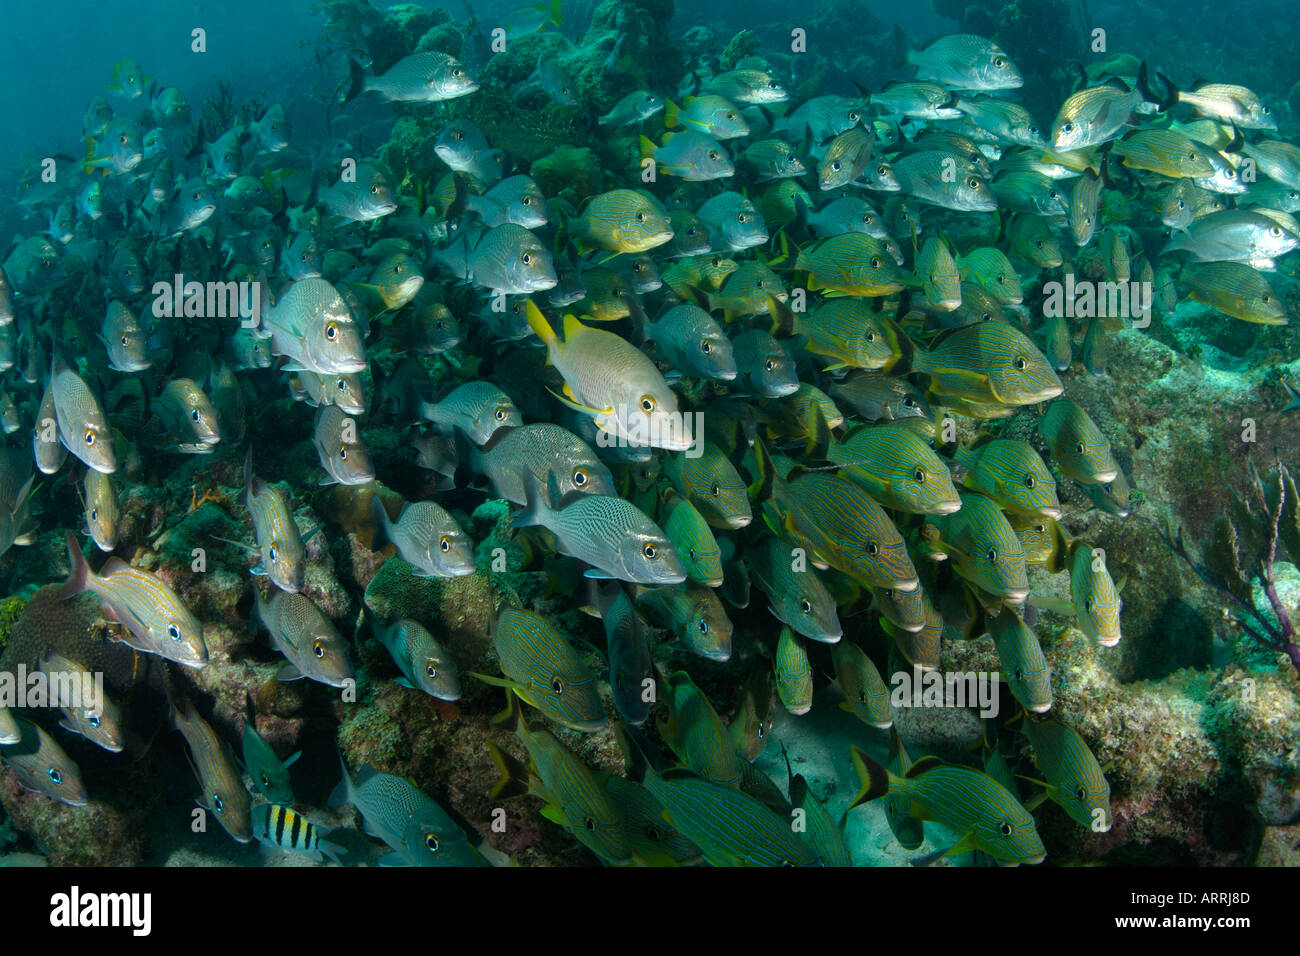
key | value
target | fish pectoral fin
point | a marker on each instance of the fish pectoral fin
(965, 845)
(289, 672)
(403, 682)
(576, 405)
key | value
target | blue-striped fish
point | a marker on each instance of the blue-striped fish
(1077, 444)
(936, 270)
(156, 620)
(1012, 474)
(42, 766)
(650, 837)
(819, 830)
(841, 526)
(852, 263)
(693, 540)
(984, 549)
(797, 598)
(972, 803)
(794, 679)
(695, 732)
(286, 829)
(574, 797)
(544, 670)
(283, 558)
(423, 661)
(418, 831)
(1024, 668)
(896, 464)
(713, 485)
(1094, 599)
(865, 692)
(694, 614)
(849, 333)
(987, 370)
(217, 772)
(749, 728)
(990, 269)
(731, 828)
(919, 634)
(1074, 778)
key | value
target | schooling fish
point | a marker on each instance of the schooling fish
(83, 426)
(91, 715)
(309, 641)
(425, 535)
(544, 670)
(628, 641)
(984, 549)
(476, 408)
(156, 620)
(312, 326)
(1077, 444)
(102, 511)
(794, 681)
(270, 774)
(42, 766)
(286, 829)
(796, 597)
(1074, 778)
(423, 661)
(429, 77)
(866, 695)
(218, 773)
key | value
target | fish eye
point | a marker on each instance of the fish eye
(431, 842)
(342, 385)
(1275, 231)
(271, 553)
(332, 331)
(444, 544)
(1040, 528)
(805, 605)
(706, 346)
(909, 402)
(1078, 448)
(343, 452)
(124, 139)
(836, 165)
(430, 671)
(266, 779)
(1079, 794)
(647, 404)
(1020, 361)
(714, 154)
(173, 632)
(973, 183)
(854, 117)
(742, 217)
(318, 649)
(650, 551)
(126, 340)
(557, 685)
(94, 514)
(217, 804)
(374, 189)
(991, 554)
(458, 135)
(90, 438)
(194, 415)
(919, 475)
(769, 365)
(1033, 130)
(94, 720)
(198, 194)
(999, 62)
(526, 200)
(589, 823)
(457, 71)
(1265, 110)
(1087, 605)
(1004, 828)
(881, 170)
(640, 217)
(526, 258)
(873, 548)
(714, 490)
(690, 232)
(1067, 127)
(499, 414)
(1029, 481)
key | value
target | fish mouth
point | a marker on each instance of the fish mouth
(1109, 642)
(1052, 513)
(1015, 595)
(946, 508)
(736, 522)
(1039, 708)
(727, 376)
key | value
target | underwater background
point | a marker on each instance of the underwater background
(530, 633)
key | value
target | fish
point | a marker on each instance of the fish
(312, 326)
(479, 409)
(984, 549)
(709, 114)
(311, 645)
(689, 155)
(82, 425)
(102, 512)
(555, 82)
(712, 483)
(42, 767)
(1012, 474)
(1234, 104)
(1075, 780)
(188, 415)
(897, 466)
(544, 450)
(425, 535)
(515, 199)
(987, 369)
(865, 693)
(635, 405)
(285, 829)
(218, 774)
(734, 222)
(971, 803)
(86, 712)
(425, 664)
(636, 107)
(796, 596)
(694, 614)
(1235, 289)
(622, 221)
(770, 159)
(960, 61)
(282, 556)
(853, 263)
(270, 774)
(610, 534)
(763, 366)
(363, 195)
(691, 340)
(505, 259)
(428, 77)
(846, 158)
(755, 87)
(693, 540)
(1024, 667)
(628, 642)
(343, 453)
(414, 826)
(1078, 446)
(155, 619)
(542, 668)
(129, 80)
(1097, 114)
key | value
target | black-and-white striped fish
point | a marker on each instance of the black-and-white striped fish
(288, 830)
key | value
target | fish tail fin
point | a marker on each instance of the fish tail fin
(541, 328)
(671, 110)
(764, 473)
(647, 147)
(905, 351)
(874, 777)
(513, 781)
(79, 570)
(902, 47)
(381, 537)
(1149, 94)
(556, 14)
(357, 78)
(343, 792)
(782, 317)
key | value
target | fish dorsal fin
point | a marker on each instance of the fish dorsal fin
(572, 326)
(923, 765)
(112, 566)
